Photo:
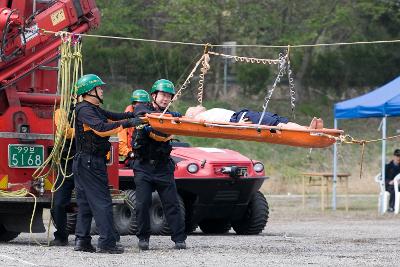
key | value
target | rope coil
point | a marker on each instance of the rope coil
(70, 59)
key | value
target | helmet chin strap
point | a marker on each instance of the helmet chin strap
(96, 96)
(155, 102)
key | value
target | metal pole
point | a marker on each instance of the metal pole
(225, 75)
(383, 147)
(383, 162)
(335, 167)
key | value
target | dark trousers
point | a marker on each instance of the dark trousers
(157, 176)
(62, 198)
(93, 199)
(390, 189)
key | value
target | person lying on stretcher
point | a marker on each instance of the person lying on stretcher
(200, 113)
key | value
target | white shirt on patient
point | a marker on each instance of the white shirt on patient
(216, 115)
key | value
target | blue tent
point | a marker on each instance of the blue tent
(382, 102)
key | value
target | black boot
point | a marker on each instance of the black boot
(143, 244)
(111, 250)
(84, 245)
(180, 245)
(59, 243)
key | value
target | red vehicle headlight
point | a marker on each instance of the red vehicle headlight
(192, 168)
(258, 167)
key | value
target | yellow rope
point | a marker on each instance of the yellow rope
(23, 192)
(347, 139)
(229, 45)
(71, 58)
(17, 193)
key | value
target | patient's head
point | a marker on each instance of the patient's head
(192, 112)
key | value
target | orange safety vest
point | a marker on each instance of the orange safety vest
(125, 137)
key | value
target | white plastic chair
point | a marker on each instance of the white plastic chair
(383, 195)
(396, 194)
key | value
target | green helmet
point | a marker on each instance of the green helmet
(163, 86)
(140, 95)
(87, 82)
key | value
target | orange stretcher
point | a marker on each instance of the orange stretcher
(313, 138)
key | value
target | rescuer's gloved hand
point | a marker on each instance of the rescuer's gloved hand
(130, 155)
(132, 122)
(175, 114)
(147, 129)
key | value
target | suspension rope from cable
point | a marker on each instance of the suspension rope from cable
(247, 59)
(282, 69)
(184, 85)
(292, 90)
(203, 71)
(283, 63)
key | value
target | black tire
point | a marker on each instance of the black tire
(125, 222)
(125, 214)
(190, 227)
(215, 226)
(71, 222)
(255, 218)
(6, 235)
(158, 221)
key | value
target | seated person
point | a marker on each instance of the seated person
(200, 113)
(391, 170)
(125, 136)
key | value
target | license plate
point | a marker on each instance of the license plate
(25, 156)
(242, 171)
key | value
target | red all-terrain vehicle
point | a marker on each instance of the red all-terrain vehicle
(218, 188)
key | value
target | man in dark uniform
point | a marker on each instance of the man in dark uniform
(65, 180)
(391, 170)
(93, 129)
(154, 170)
(125, 136)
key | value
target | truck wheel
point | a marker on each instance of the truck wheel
(158, 221)
(255, 218)
(215, 226)
(6, 235)
(125, 214)
(71, 222)
(190, 227)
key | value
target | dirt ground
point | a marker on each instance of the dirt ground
(293, 236)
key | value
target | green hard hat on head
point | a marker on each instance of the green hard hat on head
(163, 86)
(140, 95)
(87, 82)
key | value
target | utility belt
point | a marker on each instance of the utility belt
(96, 150)
(154, 162)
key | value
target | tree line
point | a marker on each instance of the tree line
(267, 22)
